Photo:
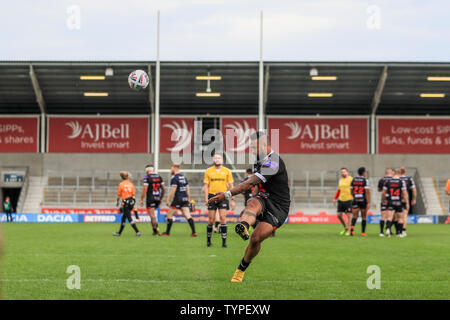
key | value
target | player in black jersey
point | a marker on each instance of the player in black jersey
(361, 200)
(178, 199)
(388, 173)
(394, 193)
(412, 196)
(153, 191)
(270, 207)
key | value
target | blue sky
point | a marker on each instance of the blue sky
(294, 30)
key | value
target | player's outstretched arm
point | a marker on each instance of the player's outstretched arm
(240, 188)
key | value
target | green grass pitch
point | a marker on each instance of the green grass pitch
(301, 262)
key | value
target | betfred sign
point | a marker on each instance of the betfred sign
(236, 133)
(321, 135)
(98, 134)
(413, 135)
(19, 134)
(176, 134)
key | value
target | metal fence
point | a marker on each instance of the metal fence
(310, 189)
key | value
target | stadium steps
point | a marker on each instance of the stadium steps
(35, 194)
(432, 194)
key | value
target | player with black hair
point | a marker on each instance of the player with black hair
(270, 207)
(361, 200)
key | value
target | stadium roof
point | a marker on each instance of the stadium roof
(356, 90)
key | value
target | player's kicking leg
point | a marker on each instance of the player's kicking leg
(248, 218)
(261, 233)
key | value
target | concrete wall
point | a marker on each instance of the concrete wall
(428, 165)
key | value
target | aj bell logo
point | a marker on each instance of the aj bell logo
(243, 132)
(98, 131)
(180, 133)
(318, 132)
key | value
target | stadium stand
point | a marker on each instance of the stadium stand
(90, 179)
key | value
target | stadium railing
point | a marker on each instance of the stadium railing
(309, 189)
(314, 189)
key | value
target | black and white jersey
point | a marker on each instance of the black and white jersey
(275, 183)
(182, 185)
(359, 186)
(382, 182)
(410, 185)
(154, 182)
(394, 188)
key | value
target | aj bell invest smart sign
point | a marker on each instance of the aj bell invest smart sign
(413, 135)
(98, 134)
(321, 134)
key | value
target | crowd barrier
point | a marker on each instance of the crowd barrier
(200, 218)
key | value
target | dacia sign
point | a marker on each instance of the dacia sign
(57, 218)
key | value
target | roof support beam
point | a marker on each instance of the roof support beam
(374, 107)
(379, 90)
(37, 90)
(42, 106)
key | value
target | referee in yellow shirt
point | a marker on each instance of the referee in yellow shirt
(217, 179)
(344, 199)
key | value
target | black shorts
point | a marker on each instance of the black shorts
(344, 206)
(385, 207)
(179, 203)
(128, 204)
(153, 204)
(225, 204)
(359, 204)
(271, 212)
(395, 206)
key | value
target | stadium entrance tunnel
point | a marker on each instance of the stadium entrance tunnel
(13, 194)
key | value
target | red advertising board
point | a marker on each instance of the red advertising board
(176, 134)
(19, 134)
(413, 135)
(312, 218)
(236, 132)
(104, 134)
(320, 135)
